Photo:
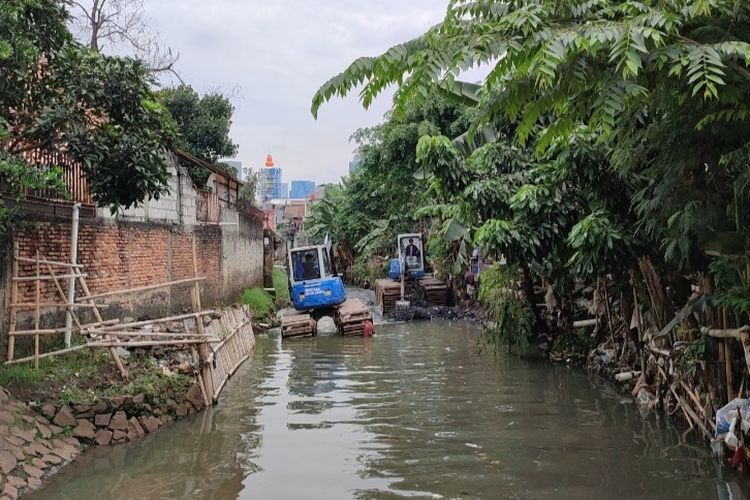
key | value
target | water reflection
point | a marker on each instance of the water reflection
(414, 412)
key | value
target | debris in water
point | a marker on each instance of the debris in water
(472, 445)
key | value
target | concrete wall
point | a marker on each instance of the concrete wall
(176, 207)
(242, 254)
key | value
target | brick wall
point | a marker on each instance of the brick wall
(128, 255)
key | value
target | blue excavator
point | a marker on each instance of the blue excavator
(407, 280)
(316, 290)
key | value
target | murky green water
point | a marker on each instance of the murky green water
(415, 411)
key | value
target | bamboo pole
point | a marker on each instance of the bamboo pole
(42, 277)
(151, 343)
(50, 305)
(50, 262)
(114, 293)
(147, 334)
(13, 299)
(167, 319)
(195, 296)
(639, 327)
(729, 333)
(37, 299)
(98, 316)
(64, 297)
(47, 354)
(200, 378)
(727, 357)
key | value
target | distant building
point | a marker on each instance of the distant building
(270, 180)
(237, 166)
(354, 164)
(301, 190)
(284, 190)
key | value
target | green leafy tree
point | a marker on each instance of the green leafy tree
(203, 123)
(661, 87)
(56, 95)
(384, 195)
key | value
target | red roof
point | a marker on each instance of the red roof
(269, 161)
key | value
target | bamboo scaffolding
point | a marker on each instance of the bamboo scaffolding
(143, 288)
(98, 316)
(50, 262)
(156, 321)
(149, 343)
(43, 277)
(37, 311)
(206, 369)
(47, 354)
(51, 305)
(148, 334)
(13, 300)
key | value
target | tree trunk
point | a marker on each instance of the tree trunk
(528, 291)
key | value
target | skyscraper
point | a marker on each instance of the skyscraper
(301, 190)
(270, 180)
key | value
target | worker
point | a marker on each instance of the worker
(310, 269)
(469, 288)
(299, 273)
(411, 249)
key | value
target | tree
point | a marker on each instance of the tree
(57, 96)
(102, 23)
(249, 190)
(203, 123)
(381, 197)
(661, 86)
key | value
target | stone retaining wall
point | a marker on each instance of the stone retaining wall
(35, 444)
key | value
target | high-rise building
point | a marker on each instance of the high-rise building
(284, 193)
(301, 190)
(270, 180)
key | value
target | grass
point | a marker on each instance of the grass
(20, 374)
(86, 375)
(281, 286)
(260, 302)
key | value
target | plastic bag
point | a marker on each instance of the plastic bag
(727, 413)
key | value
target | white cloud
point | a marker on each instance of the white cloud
(276, 53)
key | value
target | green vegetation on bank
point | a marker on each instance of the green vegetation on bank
(89, 374)
(604, 158)
(260, 302)
(264, 305)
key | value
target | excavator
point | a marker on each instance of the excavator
(407, 278)
(316, 290)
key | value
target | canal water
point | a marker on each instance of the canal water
(416, 411)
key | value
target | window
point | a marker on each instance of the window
(305, 265)
(326, 263)
(411, 250)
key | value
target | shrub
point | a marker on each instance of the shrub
(510, 319)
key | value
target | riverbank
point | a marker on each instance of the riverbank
(82, 399)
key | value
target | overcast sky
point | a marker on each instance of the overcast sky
(274, 54)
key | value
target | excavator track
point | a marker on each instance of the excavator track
(351, 317)
(387, 293)
(298, 325)
(433, 291)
